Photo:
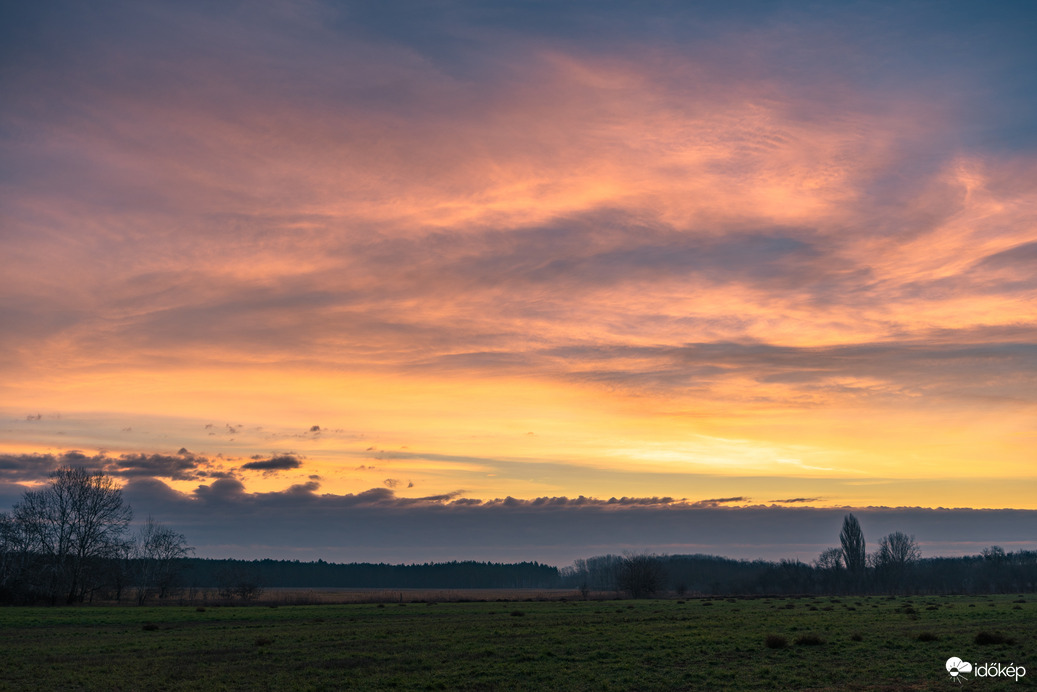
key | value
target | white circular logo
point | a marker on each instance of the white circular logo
(956, 666)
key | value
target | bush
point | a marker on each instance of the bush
(927, 637)
(776, 641)
(809, 640)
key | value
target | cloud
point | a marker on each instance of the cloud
(283, 462)
(951, 365)
(180, 467)
(38, 467)
(719, 501)
(1023, 256)
(28, 467)
(221, 490)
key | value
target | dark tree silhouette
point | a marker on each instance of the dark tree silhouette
(640, 575)
(830, 560)
(72, 528)
(157, 557)
(897, 553)
(240, 580)
(898, 550)
(852, 540)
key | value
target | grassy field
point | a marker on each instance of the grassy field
(819, 643)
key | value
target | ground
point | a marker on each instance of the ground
(855, 643)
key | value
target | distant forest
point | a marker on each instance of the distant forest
(995, 571)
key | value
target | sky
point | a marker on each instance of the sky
(447, 276)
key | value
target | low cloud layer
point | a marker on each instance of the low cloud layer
(375, 525)
(222, 518)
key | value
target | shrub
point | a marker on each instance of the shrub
(857, 637)
(809, 640)
(264, 641)
(776, 641)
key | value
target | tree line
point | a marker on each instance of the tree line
(898, 569)
(468, 574)
(896, 566)
(70, 542)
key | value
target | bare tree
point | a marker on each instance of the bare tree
(72, 527)
(12, 554)
(640, 575)
(995, 554)
(852, 540)
(830, 560)
(897, 551)
(156, 555)
(829, 567)
(241, 580)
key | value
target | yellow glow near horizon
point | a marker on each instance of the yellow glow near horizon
(433, 435)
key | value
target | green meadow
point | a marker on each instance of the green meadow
(845, 643)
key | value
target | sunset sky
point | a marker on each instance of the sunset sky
(310, 255)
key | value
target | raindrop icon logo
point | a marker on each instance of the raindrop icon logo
(956, 666)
